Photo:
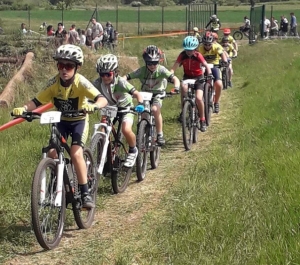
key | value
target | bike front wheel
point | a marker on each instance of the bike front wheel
(155, 153)
(208, 102)
(142, 141)
(47, 219)
(120, 174)
(187, 125)
(237, 35)
(85, 217)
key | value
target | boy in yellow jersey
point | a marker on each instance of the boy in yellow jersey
(231, 40)
(231, 53)
(212, 53)
(69, 90)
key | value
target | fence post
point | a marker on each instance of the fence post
(62, 13)
(28, 7)
(139, 9)
(117, 16)
(262, 21)
(162, 19)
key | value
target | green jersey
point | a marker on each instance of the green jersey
(119, 93)
(154, 82)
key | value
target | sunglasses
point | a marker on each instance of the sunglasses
(106, 74)
(207, 44)
(67, 66)
(152, 63)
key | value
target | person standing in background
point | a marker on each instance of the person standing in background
(284, 24)
(293, 29)
(73, 35)
(97, 33)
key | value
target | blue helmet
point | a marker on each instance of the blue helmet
(190, 43)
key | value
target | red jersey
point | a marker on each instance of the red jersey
(191, 65)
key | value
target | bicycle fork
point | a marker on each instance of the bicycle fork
(105, 136)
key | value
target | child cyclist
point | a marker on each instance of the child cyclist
(119, 92)
(69, 90)
(192, 60)
(154, 77)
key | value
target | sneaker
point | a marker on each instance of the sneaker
(229, 84)
(160, 140)
(180, 117)
(87, 201)
(216, 108)
(202, 126)
(130, 159)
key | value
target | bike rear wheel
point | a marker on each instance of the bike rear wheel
(120, 174)
(195, 127)
(155, 153)
(208, 102)
(238, 35)
(187, 125)
(47, 219)
(224, 78)
(142, 140)
(85, 217)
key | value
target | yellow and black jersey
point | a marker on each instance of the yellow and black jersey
(229, 49)
(212, 56)
(67, 98)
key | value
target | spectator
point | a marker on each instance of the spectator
(89, 38)
(82, 37)
(293, 29)
(109, 34)
(284, 24)
(43, 27)
(23, 28)
(73, 37)
(267, 25)
(274, 27)
(97, 33)
(50, 31)
(61, 35)
(246, 27)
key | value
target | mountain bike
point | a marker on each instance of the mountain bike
(55, 184)
(239, 34)
(190, 117)
(146, 136)
(109, 147)
(224, 67)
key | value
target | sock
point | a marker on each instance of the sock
(160, 133)
(84, 188)
(132, 149)
(202, 119)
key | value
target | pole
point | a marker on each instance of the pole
(162, 19)
(62, 13)
(28, 7)
(117, 16)
(139, 20)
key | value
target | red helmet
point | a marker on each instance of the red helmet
(226, 31)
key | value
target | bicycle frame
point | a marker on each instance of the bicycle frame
(59, 143)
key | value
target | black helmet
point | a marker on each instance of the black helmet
(151, 54)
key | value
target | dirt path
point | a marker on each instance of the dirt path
(123, 213)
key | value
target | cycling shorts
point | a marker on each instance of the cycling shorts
(198, 85)
(216, 73)
(78, 130)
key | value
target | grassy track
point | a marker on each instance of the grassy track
(232, 200)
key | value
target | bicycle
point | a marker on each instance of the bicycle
(224, 67)
(190, 117)
(109, 147)
(208, 97)
(238, 34)
(146, 136)
(55, 184)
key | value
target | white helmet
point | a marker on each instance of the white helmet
(107, 63)
(195, 29)
(214, 17)
(69, 52)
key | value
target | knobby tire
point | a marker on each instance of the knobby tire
(47, 219)
(142, 140)
(85, 217)
(120, 174)
(187, 125)
(155, 153)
